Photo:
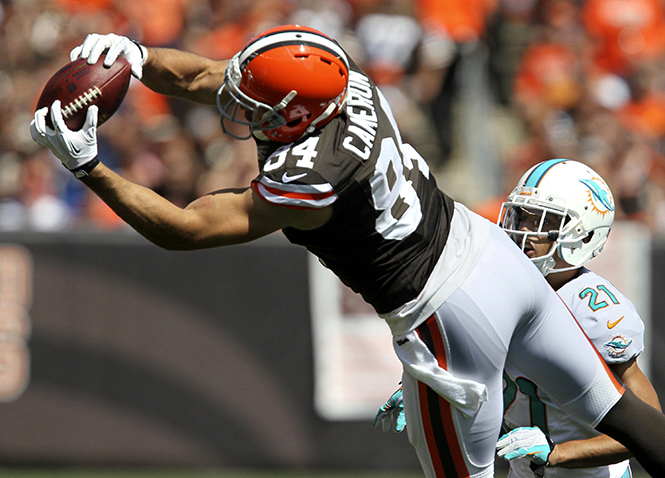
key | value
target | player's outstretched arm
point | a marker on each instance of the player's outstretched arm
(603, 450)
(218, 219)
(183, 74)
(166, 71)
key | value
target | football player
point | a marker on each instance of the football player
(543, 215)
(458, 295)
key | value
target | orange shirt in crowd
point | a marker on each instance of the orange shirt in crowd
(548, 72)
(84, 6)
(161, 21)
(645, 117)
(462, 20)
(626, 31)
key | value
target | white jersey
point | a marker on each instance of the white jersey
(614, 327)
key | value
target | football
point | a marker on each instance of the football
(79, 85)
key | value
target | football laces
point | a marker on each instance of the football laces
(83, 101)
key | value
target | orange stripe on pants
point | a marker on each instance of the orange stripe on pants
(444, 448)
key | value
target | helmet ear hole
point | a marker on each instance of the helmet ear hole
(588, 238)
(297, 121)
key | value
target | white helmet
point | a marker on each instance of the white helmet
(572, 205)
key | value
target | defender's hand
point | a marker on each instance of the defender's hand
(76, 149)
(95, 44)
(391, 414)
(523, 442)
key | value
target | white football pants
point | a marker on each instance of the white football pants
(503, 311)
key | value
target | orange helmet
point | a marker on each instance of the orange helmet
(289, 80)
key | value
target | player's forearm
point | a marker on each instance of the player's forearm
(152, 216)
(598, 451)
(183, 74)
(603, 450)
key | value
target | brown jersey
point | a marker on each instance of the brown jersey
(390, 220)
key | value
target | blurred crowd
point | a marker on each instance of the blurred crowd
(583, 79)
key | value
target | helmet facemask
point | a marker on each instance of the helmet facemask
(531, 226)
(263, 116)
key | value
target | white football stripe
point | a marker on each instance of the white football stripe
(305, 37)
(297, 202)
(298, 188)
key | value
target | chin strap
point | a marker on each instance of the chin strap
(329, 110)
(331, 107)
(285, 101)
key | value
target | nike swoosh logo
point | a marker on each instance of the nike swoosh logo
(611, 325)
(288, 179)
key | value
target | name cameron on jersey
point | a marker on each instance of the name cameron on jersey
(362, 113)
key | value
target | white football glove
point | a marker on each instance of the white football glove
(523, 442)
(76, 149)
(95, 44)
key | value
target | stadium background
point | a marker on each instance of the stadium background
(115, 353)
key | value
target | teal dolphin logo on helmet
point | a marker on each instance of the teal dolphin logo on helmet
(599, 194)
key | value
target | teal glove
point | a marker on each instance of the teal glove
(391, 414)
(525, 441)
